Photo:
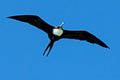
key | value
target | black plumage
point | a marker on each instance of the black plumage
(39, 23)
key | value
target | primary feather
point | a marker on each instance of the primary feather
(34, 20)
(83, 35)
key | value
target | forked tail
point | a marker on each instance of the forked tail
(50, 45)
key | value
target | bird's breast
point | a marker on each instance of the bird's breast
(57, 32)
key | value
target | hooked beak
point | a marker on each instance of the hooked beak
(61, 24)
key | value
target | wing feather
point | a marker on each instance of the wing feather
(33, 20)
(83, 35)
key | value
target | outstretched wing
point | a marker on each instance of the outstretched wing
(33, 20)
(83, 35)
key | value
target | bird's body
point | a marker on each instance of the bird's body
(57, 33)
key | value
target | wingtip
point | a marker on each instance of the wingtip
(15, 17)
(11, 17)
(8, 17)
(106, 46)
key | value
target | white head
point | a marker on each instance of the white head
(58, 31)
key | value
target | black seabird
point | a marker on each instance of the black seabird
(57, 33)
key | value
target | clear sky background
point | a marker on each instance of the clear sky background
(22, 45)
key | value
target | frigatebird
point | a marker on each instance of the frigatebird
(56, 33)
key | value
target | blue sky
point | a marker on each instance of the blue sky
(22, 45)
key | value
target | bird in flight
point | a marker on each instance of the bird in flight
(56, 33)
